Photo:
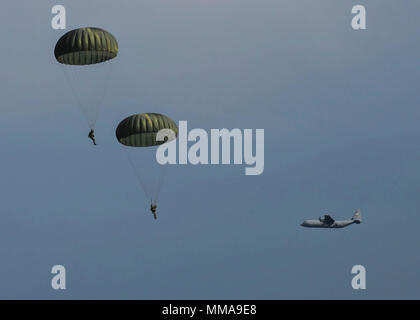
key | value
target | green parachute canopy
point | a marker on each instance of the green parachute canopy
(140, 130)
(86, 46)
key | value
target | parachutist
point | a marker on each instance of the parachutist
(141, 131)
(153, 209)
(92, 136)
(79, 50)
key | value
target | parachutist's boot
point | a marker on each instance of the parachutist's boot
(93, 140)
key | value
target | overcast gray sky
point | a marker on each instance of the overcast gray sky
(340, 110)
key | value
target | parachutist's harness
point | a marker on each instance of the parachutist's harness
(153, 208)
(92, 136)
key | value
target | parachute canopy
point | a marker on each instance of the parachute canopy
(85, 46)
(140, 130)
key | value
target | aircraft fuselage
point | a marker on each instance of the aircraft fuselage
(320, 224)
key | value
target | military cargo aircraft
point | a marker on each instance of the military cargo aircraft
(327, 222)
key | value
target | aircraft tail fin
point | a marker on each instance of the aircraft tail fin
(357, 217)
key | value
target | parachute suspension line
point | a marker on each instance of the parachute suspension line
(160, 182)
(91, 117)
(104, 92)
(80, 105)
(137, 174)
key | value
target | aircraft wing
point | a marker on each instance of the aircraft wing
(328, 219)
